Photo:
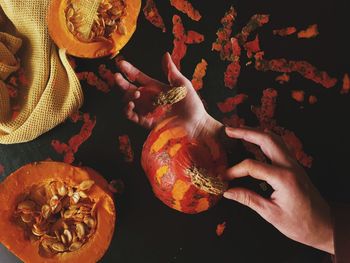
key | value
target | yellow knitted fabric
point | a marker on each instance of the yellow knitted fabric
(53, 93)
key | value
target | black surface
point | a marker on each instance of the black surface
(147, 230)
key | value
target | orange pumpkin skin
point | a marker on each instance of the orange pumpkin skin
(64, 39)
(18, 183)
(167, 156)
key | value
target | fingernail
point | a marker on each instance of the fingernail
(228, 195)
(229, 129)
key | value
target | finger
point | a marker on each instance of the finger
(269, 143)
(131, 95)
(146, 122)
(123, 84)
(129, 112)
(174, 76)
(255, 169)
(136, 75)
(250, 199)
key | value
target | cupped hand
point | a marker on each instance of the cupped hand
(135, 84)
(295, 207)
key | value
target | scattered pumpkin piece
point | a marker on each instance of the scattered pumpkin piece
(346, 84)
(295, 145)
(233, 70)
(223, 43)
(76, 116)
(231, 103)
(125, 148)
(93, 80)
(233, 121)
(70, 148)
(285, 31)
(152, 15)
(198, 75)
(304, 68)
(107, 75)
(265, 114)
(194, 37)
(310, 32)
(298, 95)
(220, 228)
(186, 7)
(284, 78)
(181, 39)
(312, 99)
(255, 22)
(252, 47)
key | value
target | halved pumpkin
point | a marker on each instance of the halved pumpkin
(92, 28)
(54, 212)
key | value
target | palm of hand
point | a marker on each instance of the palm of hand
(140, 91)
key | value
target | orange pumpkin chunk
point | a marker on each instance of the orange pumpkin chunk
(56, 213)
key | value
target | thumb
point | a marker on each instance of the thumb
(251, 199)
(174, 76)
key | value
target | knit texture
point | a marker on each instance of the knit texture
(53, 92)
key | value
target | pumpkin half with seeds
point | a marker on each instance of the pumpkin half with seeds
(54, 212)
(92, 28)
(182, 169)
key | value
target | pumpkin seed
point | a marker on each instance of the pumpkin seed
(70, 191)
(75, 198)
(69, 213)
(63, 239)
(122, 29)
(71, 27)
(80, 229)
(75, 246)
(61, 189)
(89, 221)
(68, 235)
(26, 206)
(86, 185)
(45, 211)
(82, 194)
(38, 232)
(27, 218)
(70, 13)
(58, 246)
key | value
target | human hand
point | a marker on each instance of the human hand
(138, 87)
(295, 207)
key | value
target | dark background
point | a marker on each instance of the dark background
(147, 230)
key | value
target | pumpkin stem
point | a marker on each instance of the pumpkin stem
(206, 182)
(171, 96)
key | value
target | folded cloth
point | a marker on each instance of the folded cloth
(53, 92)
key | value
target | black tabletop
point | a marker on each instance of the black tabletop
(147, 230)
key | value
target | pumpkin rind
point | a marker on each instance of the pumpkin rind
(64, 39)
(12, 235)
